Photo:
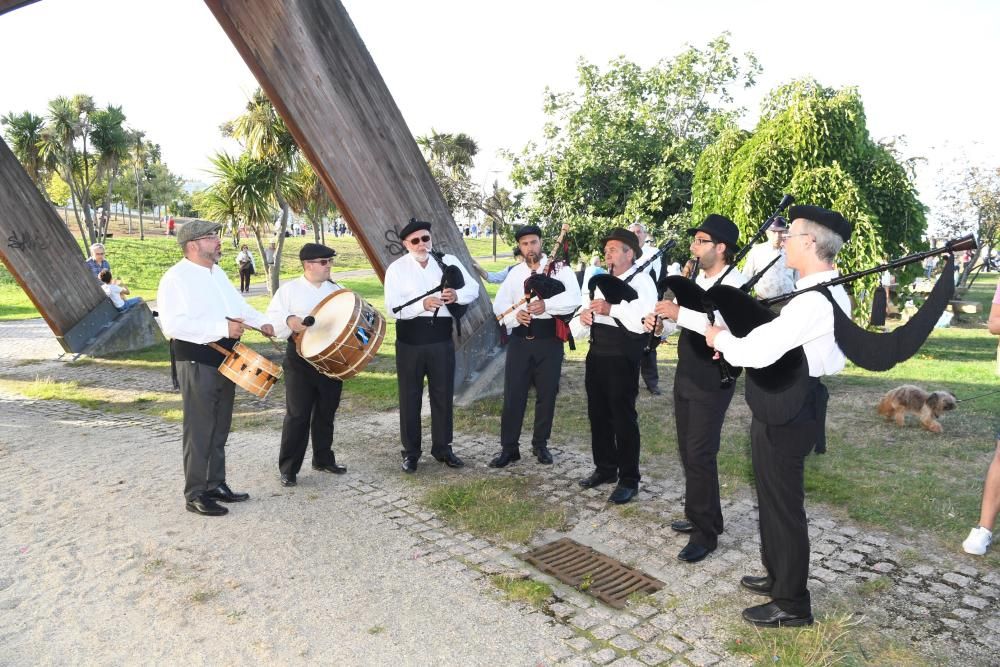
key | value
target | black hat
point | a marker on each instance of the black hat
(823, 216)
(524, 230)
(625, 236)
(316, 251)
(720, 228)
(413, 225)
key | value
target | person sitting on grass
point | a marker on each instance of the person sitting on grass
(981, 536)
(115, 291)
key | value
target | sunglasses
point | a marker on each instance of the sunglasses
(419, 239)
(322, 262)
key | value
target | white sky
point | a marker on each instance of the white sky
(926, 70)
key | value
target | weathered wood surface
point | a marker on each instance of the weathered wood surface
(311, 62)
(46, 260)
(9, 5)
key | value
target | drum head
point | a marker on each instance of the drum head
(332, 314)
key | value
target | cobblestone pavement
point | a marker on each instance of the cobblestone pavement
(940, 604)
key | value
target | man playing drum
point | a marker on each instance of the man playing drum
(424, 347)
(194, 299)
(311, 398)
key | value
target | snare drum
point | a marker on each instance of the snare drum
(249, 369)
(347, 333)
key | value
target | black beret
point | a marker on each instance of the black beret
(624, 236)
(720, 228)
(413, 225)
(524, 230)
(822, 216)
(315, 251)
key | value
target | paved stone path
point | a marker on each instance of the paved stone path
(941, 604)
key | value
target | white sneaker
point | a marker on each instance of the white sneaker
(978, 541)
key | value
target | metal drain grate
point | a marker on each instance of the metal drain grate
(603, 577)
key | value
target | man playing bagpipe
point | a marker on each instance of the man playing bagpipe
(535, 344)
(612, 312)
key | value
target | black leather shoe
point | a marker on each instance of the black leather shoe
(655, 391)
(205, 506)
(288, 480)
(409, 464)
(682, 526)
(331, 467)
(227, 495)
(758, 585)
(596, 479)
(622, 495)
(504, 459)
(771, 615)
(543, 455)
(693, 553)
(451, 460)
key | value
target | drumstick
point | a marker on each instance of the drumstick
(248, 326)
(308, 321)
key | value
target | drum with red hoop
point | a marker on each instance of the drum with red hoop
(345, 336)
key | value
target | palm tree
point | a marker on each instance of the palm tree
(110, 140)
(138, 158)
(24, 132)
(267, 140)
(312, 200)
(450, 157)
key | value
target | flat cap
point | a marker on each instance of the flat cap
(823, 216)
(413, 225)
(623, 236)
(196, 229)
(720, 228)
(524, 230)
(316, 251)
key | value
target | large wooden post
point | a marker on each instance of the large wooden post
(45, 260)
(311, 62)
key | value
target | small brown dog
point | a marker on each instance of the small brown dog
(909, 399)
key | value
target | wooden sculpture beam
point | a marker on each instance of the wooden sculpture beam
(311, 62)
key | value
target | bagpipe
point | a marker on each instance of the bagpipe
(451, 278)
(691, 296)
(616, 290)
(543, 286)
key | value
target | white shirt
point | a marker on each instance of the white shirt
(405, 279)
(778, 280)
(298, 298)
(806, 320)
(629, 313)
(697, 322)
(114, 293)
(512, 291)
(194, 302)
(246, 256)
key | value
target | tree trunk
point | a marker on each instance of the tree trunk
(83, 235)
(272, 278)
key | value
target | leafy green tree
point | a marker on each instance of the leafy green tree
(110, 141)
(450, 158)
(311, 199)
(813, 142)
(970, 204)
(625, 145)
(24, 132)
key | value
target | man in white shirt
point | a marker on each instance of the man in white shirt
(617, 340)
(647, 368)
(195, 300)
(424, 346)
(534, 350)
(778, 450)
(700, 399)
(311, 398)
(778, 279)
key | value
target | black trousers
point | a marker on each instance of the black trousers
(779, 454)
(530, 362)
(245, 279)
(612, 383)
(647, 366)
(436, 362)
(699, 414)
(207, 397)
(311, 402)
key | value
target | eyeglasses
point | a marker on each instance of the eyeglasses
(419, 239)
(785, 235)
(322, 262)
(697, 241)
